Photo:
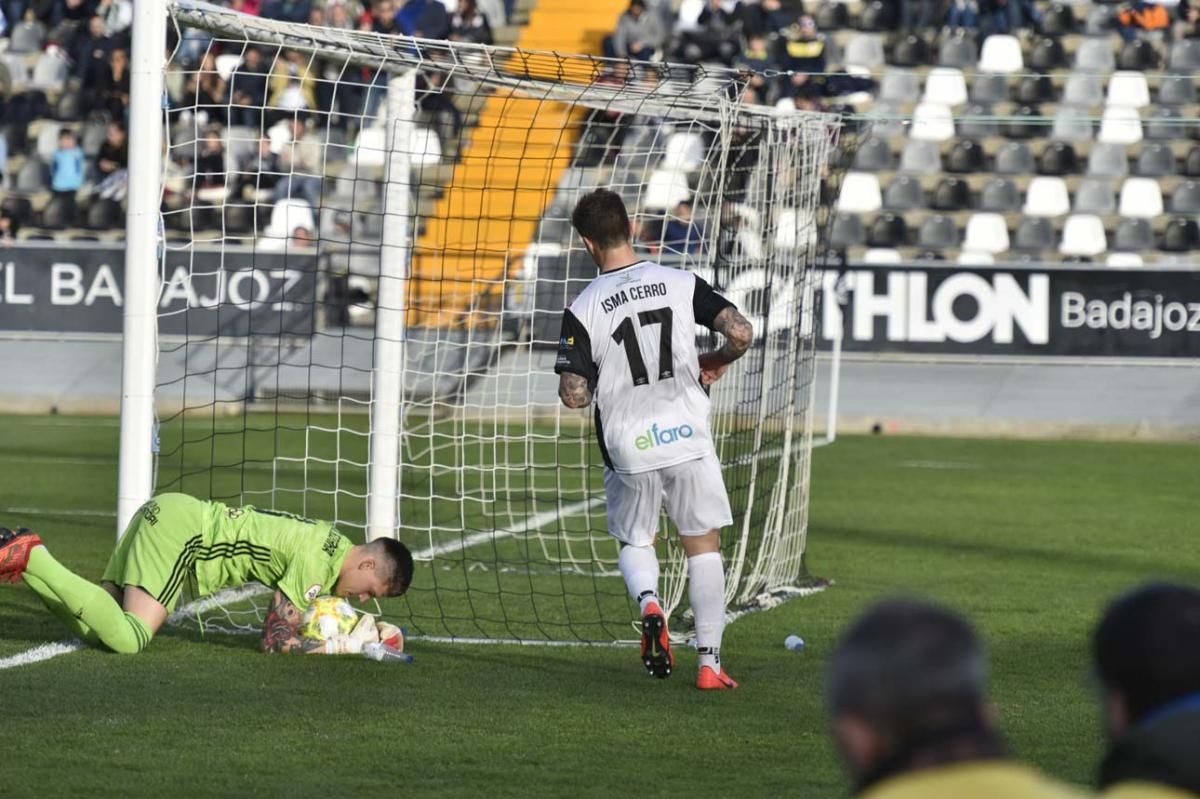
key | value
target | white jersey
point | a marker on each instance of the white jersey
(632, 334)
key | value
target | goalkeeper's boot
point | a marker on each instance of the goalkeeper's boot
(656, 642)
(709, 680)
(15, 546)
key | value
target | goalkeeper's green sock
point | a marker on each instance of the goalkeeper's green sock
(121, 632)
(51, 600)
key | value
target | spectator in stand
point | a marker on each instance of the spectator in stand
(906, 691)
(92, 53)
(259, 173)
(316, 17)
(764, 18)
(963, 15)
(757, 59)
(248, 90)
(383, 19)
(286, 10)
(681, 236)
(73, 12)
(112, 163)
(8, 227)
(211, 91)
(469, 24)
(639, 34)
(339, 16)
(1146, 656)
(294, 82)
(3, 23)
(804, 56)
(716, 37)
(302, 238)
(436, 97)
(252, 7)
(1141, 16)
(919, 15)
(210, 169)
(67, 171)
(300, 161)
(112, 95)
(30, 20)
(1007, 16)
(424, 19)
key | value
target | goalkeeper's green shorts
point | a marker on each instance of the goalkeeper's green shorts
(158, 551)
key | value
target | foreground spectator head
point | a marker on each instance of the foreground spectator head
(1146, 653)
(906, 692)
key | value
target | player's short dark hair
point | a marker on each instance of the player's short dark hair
(911, 670)
(400, 561)
(1147, 646)
(600, 216)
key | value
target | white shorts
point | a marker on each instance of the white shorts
(694, 492)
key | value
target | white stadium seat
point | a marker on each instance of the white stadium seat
(370, 151)
(1083, 234)
(287, 215)
(986, 233)
(881, 255)
(1128, 89)
(1124, 260)
(1001, 53)
(425, 149)
(932, 122)
(794, 229)
(860, 194)
(1047, 196)
(684, 151)
(1140, 197)
(1120, 125)
(945, 86)
(666, 188)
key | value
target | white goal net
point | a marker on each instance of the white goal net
(366, 256)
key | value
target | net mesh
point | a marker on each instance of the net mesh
(363, 230)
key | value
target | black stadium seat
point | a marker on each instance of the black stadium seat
(847, 231)
(904, 193)
(58, 214)
(1014, 158)
(999, 195)
(1181, 235)
(1133, 235)
(951, 194)
(1155, 160)
(873, 155)
(1138, 55)
(888, 230)
(938, 233)
(1047, 55)
(1191, 164)
(19, 208)
(832, 16)
(103, 214)
(1035, 89)
(1034, 233)
(978, 122)
(1027, 123)
(1058, 158)
(1186, 198)
(877, 17)
(1058, 20)
(910, 51)
(965, 156)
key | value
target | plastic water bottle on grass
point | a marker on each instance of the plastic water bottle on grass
(385, 654)
(794, 642)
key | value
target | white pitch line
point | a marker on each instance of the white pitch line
(41, 652)
(534, 522)
(103, 514)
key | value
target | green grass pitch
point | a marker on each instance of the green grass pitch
(1027, 538)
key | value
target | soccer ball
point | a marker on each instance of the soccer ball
(326, 617)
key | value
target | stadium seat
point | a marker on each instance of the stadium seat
(959, 50)
(877, 17)
(1140, 197)
(1177, 90)
(1047, 55)
(904, 193)
(864, 50)
(69, 107)
(19, 208)
(1083, 90)
(847, 231)
(860, 194)
(910, 51)
(1108, 160)
(666, 188)
(986, 232)
(1138, 54)
(1180, 235)
(58, 215)
(887, 120)
(1133, 235)
(1034, 234)
(1128, 89)
(33, 177)
(1186, 198)
(1191, 163)
(899, 86)
(965, 156)
(945, 86)
(888, 230)
(1095, 56)
(27, 37)
(932, 122)
(227, 63)
(1083, 234)
(975, 258)
(1166, 124)
(1058, 158)
(1095, 196)
(926, 256)
(873, 155)
(1184, 58)
(938, 232)
(999, 195)
(1124, 260)
(239, 219)
(104, 214)
(1072, 123)
(1100, 21)
(922, 157)
(1035, 89)
(1058, 20)
(1001, 53)
(882, 255)
(289, 214)
(794, 228)
(1026, 122)
(989, 89)
(978, 122)
(1155, 161)
(19, 71)
(50, 72)
(832, 16)
(1047, 196)
(1014, 158)
(684, 150)
(47, 141)
(951, 194)
(424, 147)
(370, 150)
(1120, 125)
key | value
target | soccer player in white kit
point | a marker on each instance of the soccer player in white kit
(629, 341)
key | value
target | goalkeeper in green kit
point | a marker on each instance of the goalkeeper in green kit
(175, 538)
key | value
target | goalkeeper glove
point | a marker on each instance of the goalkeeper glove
(391, 635)
(343, 645)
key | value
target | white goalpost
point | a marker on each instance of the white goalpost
(353, 255)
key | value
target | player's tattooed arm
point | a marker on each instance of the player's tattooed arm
(281, 628)
(738, 332)
(573, 390)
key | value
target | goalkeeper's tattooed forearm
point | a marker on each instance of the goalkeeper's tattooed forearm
(279, 628)
(573, 390)
(738, 334)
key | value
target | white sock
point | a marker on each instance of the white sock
(639, 567)
(706, 590)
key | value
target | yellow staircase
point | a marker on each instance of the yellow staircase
(507, 175)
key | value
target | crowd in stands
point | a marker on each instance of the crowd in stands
(907, 697)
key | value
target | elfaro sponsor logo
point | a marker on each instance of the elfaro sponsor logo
(660, 438)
